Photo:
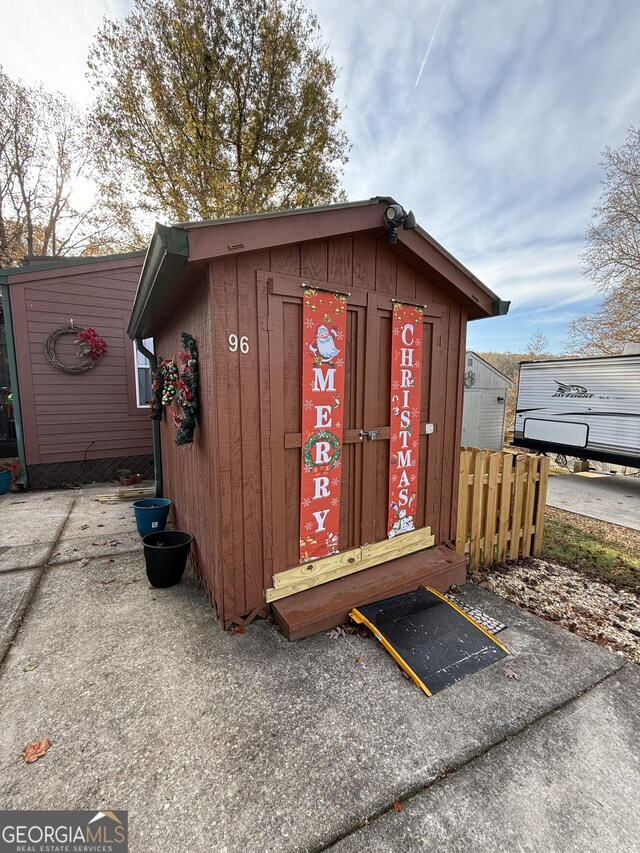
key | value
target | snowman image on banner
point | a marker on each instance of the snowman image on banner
(324, 349)
(403, 523)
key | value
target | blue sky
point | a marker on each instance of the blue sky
(495, 144)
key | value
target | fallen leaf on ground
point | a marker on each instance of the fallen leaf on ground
(30, 667)
(239, 629)
(398, 807)
(35, 750)
(359, 660)
(511, 674)
(336, 633)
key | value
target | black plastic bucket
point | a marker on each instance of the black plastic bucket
(165, 555)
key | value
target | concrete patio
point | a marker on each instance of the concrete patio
(245, 742)
(610, 497)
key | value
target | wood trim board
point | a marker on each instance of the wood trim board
(346, 563)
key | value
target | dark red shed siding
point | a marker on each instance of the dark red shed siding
(229, 491)
(191, 473)
(92, 414)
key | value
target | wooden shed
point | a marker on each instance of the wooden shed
(73, 425)
(484, 409)
(247, 288)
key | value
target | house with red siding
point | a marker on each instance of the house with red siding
(69, 420)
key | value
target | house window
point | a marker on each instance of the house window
(143, 375)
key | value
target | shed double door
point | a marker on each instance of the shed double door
(366, 416)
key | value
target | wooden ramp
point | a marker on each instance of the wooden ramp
(328, 605)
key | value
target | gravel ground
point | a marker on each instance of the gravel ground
(597, 611)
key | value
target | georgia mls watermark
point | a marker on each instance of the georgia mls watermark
(63, 832)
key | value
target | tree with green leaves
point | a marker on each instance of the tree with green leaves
(211, 108)
(612, 256)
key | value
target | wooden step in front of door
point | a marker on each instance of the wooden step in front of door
(323, 607)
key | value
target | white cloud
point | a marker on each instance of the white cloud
(49, 42)
(496, 149)
(500, 143)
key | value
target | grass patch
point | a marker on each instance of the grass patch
(593, 555)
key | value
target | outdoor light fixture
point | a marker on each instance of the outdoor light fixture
(395, 215)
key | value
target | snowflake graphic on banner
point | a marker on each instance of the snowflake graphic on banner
(406, 345)
(323, 371)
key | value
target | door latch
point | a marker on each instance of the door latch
(370, 435)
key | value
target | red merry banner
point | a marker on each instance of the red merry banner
(406, 373)
(324, 325)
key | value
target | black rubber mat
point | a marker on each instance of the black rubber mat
(435, 642)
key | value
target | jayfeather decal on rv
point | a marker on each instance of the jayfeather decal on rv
(583, 407)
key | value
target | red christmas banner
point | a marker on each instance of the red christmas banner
(406, 373)
(324, 326)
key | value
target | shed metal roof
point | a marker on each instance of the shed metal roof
(172, 247)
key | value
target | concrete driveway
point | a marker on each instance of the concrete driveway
(610, 497)
(245, 742)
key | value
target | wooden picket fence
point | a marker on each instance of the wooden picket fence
(501, 504)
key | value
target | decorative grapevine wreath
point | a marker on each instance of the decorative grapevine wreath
(336, 450)
(175, 387)
(90, 344)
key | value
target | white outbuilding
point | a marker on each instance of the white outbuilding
(485, 404)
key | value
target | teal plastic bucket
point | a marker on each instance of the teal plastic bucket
(5, 482)
(151, 515)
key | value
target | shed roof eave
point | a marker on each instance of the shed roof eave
(166, 257)
(374, 200)
(493, 369)
(171, 248)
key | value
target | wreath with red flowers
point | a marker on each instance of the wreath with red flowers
(175, 388)
(90, 345)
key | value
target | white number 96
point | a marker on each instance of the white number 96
(243, 343)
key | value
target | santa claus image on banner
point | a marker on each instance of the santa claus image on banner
(324, 347)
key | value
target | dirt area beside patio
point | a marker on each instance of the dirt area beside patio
(596, 610)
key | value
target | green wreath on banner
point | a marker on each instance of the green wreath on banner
(336, 450)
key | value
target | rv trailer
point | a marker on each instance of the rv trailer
(584, 407)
